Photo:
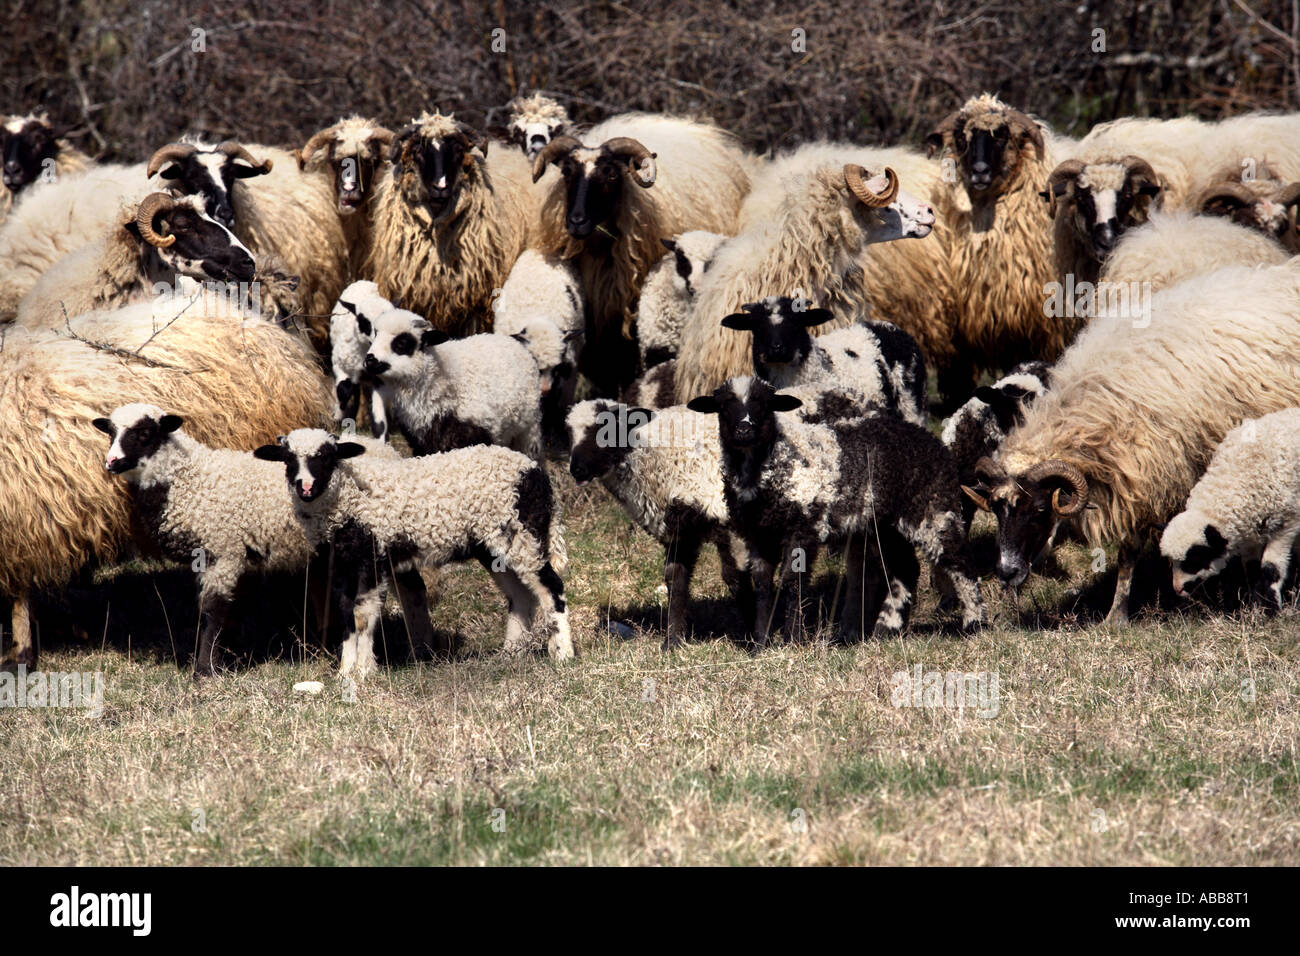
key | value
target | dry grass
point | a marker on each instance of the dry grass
(1130, 747)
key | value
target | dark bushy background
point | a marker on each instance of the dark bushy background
(873, 70)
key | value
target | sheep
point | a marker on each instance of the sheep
(612, 233)
(816, 247)
(351, 332)
(191, 499)
(355, 152)
(1247, 505)
(81, 207)
(876, 361)
(1172, 247)
(1265, 204)
(999, 236)
(151, 245)
(791, 487)
(976, 429)
(237, 379)
(449, 222)
(1134, 412)
(33, 151)
(534, 121)
(448, 394)
(669, 293)
(489, 503)
(1092, 203)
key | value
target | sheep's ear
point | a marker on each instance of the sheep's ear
(704, 404)
(933, 143)
(741, 321)
(363, 325)
(104, 425)
(981, 502)
(351, 307)
(433, 337)
(170, 423)
(574, 335)
(269, 453)
(987, 394)
(669, 244)
(519, 337)
(349, 449)
(813, 317)
(785, 403)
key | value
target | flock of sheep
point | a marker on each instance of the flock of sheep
(756, 334)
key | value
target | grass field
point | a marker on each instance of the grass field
(1172, 742)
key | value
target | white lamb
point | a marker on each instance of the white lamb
(351, 331)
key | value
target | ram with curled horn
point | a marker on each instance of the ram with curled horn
(1264, 204)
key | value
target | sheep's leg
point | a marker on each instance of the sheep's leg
(1118, 616)
(851, 619)
(679, 565)
(738, 582)
(900, 571)
(214, 608)
(413, 597)
(544, 589)
(1273, 567)
(364, 603)
(347, 399)
(761, 570)
(942, 536)
(378, 415)
(522, 608)
(795, 572)
(22, 652)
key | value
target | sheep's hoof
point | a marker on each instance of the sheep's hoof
(18, 658)
(1116, 618)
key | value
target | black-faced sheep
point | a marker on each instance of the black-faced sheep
(448, 394)
(32, 151)
(449, 222)
(238, 380)
(1246, 505)
(687, 176)
(1135, 411)
(793, 487)
(483, 502)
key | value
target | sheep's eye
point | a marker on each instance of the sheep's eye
(404, 344)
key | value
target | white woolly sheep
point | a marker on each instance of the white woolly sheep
(448, 394)
(669, 294)
(1135, 411)
(483, 502)
(687, 176)
(33, 151)
(351, 331)
(152, 245)
(534, 121)
(449, 222)
(816, 247)
(1246, 505)
(238, 380)
(792, 487)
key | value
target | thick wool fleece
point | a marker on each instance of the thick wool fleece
(1140, 409)
(1172, 247)
(1249, 493)
(669, 294)
(542, 286)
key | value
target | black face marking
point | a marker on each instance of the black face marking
(191, 177)
(590, 458)
(1200, 556)
(780, 331)
(26, 153)
(199, 240)
(592, 199)
(984, 156)
(404, 344)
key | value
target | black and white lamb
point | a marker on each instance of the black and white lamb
(792, 487)
(451, 394)
(976, 429)
(221, 511)
(879, 361)
(351, 330)
(668, 294)
(485, 502)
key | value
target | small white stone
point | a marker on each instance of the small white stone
(308, 687)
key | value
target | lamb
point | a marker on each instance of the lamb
(238, 380)
(876, 361)
(449, 223)
(669, 294)
(1000, 252)
(977, 429)
(351, 332)
(151, 245)
(534, 121)
(815, 248)
(489, 503)
(33, 151)
(1175, 246)
(1135, 411)
(1247, 505)
(1265, 204)
(224, 506)
(792, 487)
(612, 232)
(354, 150)
(449, 394)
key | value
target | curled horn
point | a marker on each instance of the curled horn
(317, 141)
(1235, 191)
(151, 206)
(1138, 168)
(986, 469)
(855, 179)
(640, 158)
(235, 151)
(1056, 468)
(1029, 128)
(170, 153)
(1288, 195)
(942, 134)
(1059, 179)
(551, 152)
